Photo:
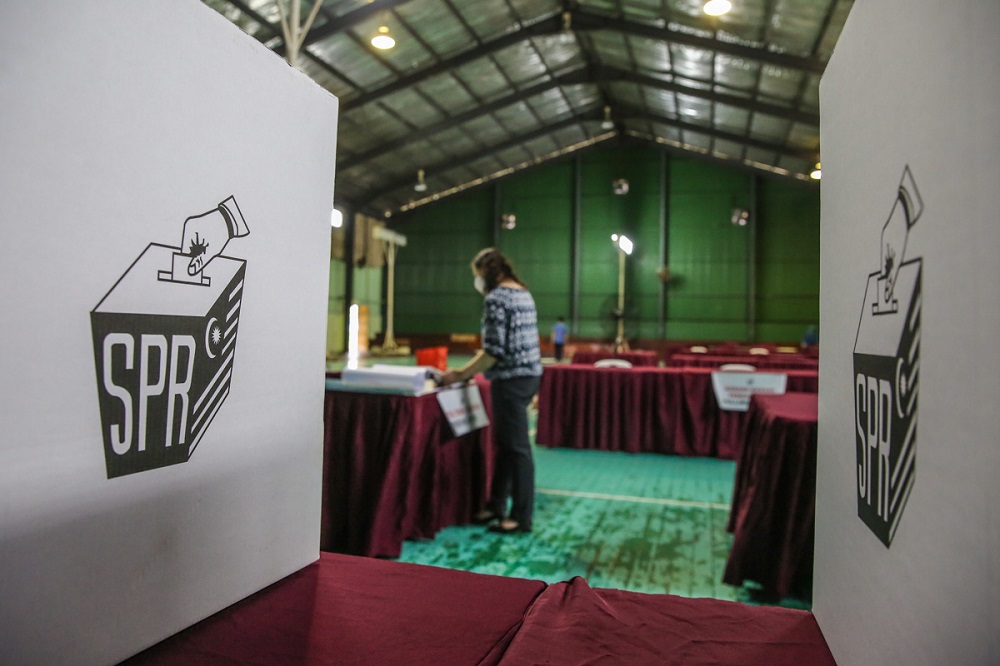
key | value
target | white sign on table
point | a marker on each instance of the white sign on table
(734, 389)
(463, 407)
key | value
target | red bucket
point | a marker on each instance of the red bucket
(435, 357)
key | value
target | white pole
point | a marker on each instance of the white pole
(620, 343)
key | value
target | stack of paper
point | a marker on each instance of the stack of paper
(410, 380)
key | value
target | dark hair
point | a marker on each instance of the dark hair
(494, 267)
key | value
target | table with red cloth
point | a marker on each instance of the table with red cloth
(775, 361)
(638, 358)
(392, 470)
(360, 611)
(642, 410)
(774, 497)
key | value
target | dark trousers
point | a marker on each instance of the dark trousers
(559, 350)
(514, 472)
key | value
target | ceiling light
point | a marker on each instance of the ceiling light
(816, 173)
(420, 186)
(382, 39)
(607, 123)
(717, 7)
(622, 243)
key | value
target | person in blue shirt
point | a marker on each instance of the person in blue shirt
(511, 359)
(560, 333)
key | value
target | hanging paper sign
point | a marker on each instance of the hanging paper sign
(463, 407)
(733, 389)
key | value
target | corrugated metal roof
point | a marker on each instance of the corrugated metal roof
(475, 90)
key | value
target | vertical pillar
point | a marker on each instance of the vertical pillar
(497, 212)
(664, 225)
(575, 243)
(752, 261)
(349, 227)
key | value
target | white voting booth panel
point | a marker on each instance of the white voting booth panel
(906, 564)
(164, 233)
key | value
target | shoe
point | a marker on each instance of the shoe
(499, 528)
(484, 517)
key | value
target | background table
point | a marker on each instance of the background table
(642, 410)
(637, 358)
(393, 471)
(774, 497)
(773, 361)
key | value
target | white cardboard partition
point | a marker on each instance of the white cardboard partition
(164, 235)
(906, 567)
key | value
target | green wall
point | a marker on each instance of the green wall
(434, 292)
(759, 282)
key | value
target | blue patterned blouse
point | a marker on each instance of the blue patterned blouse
(510, 333)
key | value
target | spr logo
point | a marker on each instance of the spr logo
(887, 372)
(164, 343)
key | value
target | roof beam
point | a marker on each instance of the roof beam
(624, 114)
(545, 26)
(575, 77)
(276, 31)
(590, 21)
(783, 112)
(470, 157)
(586, 21)
(637, 114)
(580, 76)
(346, 21)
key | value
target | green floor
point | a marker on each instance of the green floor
(645, 523)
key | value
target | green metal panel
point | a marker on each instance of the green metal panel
(707, 253)
(787, 261)
(707, 299)
(434, 293)
(368, 291)
(335, 343)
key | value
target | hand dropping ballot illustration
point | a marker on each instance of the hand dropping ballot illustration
(165, 342)
(886, 372)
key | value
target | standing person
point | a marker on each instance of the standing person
(511, 360)
(560, 332)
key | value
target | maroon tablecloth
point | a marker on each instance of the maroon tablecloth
(773, 361)
(774, 497)
(393, 471)
(642, 410)
(637, 358)
(572, 623)
(360, 611)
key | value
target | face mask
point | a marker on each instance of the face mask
(480, 284)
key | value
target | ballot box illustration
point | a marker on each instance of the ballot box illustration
(886, 373)
(165, 342)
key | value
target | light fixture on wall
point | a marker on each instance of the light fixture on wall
(740, 217)
(508, 221)
(420, 185)
(816, 173)
(623, 243)
(336, 219)
(619, 186)
(717, 7)
(607, 123)
(382, 39)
